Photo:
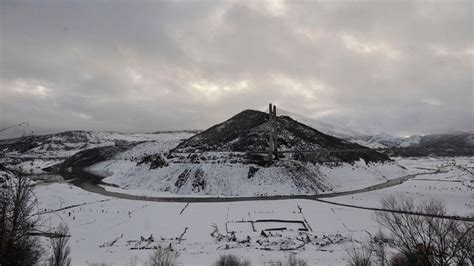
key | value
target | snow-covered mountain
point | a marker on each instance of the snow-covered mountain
(448, 141)
(69, 142)
(441, 141)
(386, 140)
(379, 141)
(411, 141)
(31, 154)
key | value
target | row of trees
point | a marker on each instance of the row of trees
(20, 228)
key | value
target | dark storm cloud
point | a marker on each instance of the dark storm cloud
(397, 66)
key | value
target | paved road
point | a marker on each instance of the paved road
(91, 183)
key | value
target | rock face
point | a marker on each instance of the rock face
(248, 132)
(244, 131)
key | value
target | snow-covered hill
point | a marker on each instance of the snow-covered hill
(217, 162)
(32, 154)
(248, 132)
(224, 174)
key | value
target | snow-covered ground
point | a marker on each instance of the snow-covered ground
(101, 220)
(454, 185)
(110, 230)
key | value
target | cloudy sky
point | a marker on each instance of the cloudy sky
(401, 67)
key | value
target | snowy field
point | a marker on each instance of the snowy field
(109, 230)
(101, 220)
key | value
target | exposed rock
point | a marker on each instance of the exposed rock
(252, 171)
(155, 161)
(248, 132)
(182, 178)
(199, 183)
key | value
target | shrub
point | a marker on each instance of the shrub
(230, 260)
(163, 257)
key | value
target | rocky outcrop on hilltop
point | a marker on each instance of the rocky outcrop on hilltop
(247, 132)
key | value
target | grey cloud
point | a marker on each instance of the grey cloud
(403, 67)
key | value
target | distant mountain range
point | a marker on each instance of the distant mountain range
(455, 140)
(460, 140)
(246, 131)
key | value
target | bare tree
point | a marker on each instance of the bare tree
(18, 224)
(61, 249)
(426, 240)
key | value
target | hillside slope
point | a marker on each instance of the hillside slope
(216, 162)
(33, 154)
(248, 132)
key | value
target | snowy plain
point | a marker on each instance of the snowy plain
(103, 219)
(453, 185)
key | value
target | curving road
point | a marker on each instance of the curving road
(91, 183)
(95, 188)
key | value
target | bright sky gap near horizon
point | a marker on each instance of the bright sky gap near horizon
(402, 67)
